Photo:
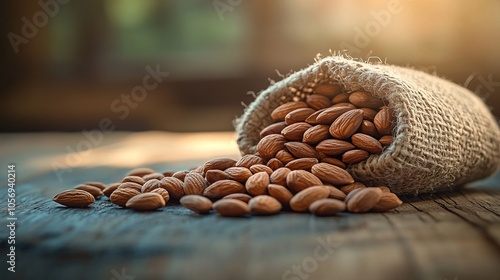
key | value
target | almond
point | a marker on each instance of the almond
(334, 161)
(257, 184)
(151, 185)
(335, 193)
(216, 175)
(327, 207)
(384, 189)
(349, 188)
(270, 145)
(141, 171)
(334, 147)
(364, 200)
(347, 124)
(355, 156)
(222, 188)
(388, 201)
(174, 187)
(301, 150)
(249, 160)
(281, 111)
(318, 101)
(344, 104)
(341, 98)
(231, 207)
(95, 191)
(284, 156)
(298, 180)
(256, 168)
(312, 119)
(146, 202)
(274, 128)
(99, 185)
(369, 114)
(329, 115)
(298, 115)
(282, 194)
(240, 174)
(218, 163)
(74, 198)
(274, 163)
(264, 205)
(155, 175)
(239, 196)
(332, 174)
(194, 183)
(367, 127)
(384, 121)
(134, 179)
(352, 193)
(367, 143)
(163, 192)
(294, 132)
(111, 188)
(121, 195)
(385, 140)
(196, 203)
(180, 174)
(365, 99)
(301, 201)
(316, 134)
(279, 176)
(168, 173)
(301, 163)
(328, 90)
(130, 185)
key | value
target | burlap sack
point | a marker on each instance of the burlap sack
(445, 135)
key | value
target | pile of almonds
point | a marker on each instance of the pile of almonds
(300, 165)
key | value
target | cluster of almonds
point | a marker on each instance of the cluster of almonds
(299, 166)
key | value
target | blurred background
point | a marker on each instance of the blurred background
(69, 64)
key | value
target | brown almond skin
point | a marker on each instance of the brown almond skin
(334, 161)
(196, 203)
(329, 115)
(180, 175)
(130, 185)
(318, 102)
(222, 188)
(256, 168)
(239, 196)
(95, 191)
(341, 98)
(284, 156)
(99, 185)
(384, 121)
(194, 183)
(270, 145)
(367, 143)
(174, 186)
(312, 119)
(274, 128)
(297, 115)
(334, 147)
(355, 156)
(74, 198)
(301, 201)
(387, 202)
(301, 164)
(231, 208)
(121, 195)
(163, 192)
(328, 90)
(349, 188)
(301, 150)
(332, 174)
(316, 134)
(336, 193)
(282, 194)
(386, 140)
(151, 185)
(134, 179)
(351, 194)
(365, 99)
(257, 184)
(141, 171)
(369, 114)
(111, 188)
(347, 124)
(264, 205)
(344, 104)
(327, 207)
(155, 175)
(168, 173)
(221, 163)
(249, 160)
(367, 127)
(215, 175)
(274, 164)
(281, 111)
(279, 176)
(240, 174)
(298, 180)
(364, 200)
(295, 132)
(146, 202)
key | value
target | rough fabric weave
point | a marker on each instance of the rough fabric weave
(445, 136)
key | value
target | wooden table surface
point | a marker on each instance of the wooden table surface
(443, 236)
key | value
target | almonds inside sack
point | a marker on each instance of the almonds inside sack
(300, 165)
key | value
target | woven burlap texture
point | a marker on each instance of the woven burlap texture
(445, 135)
